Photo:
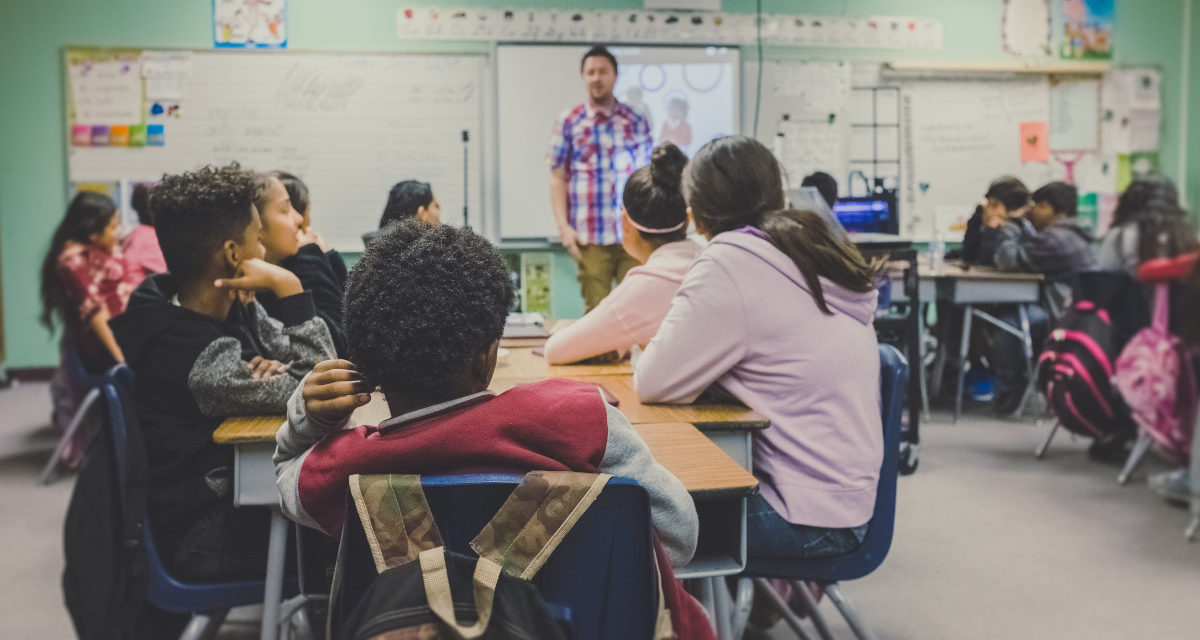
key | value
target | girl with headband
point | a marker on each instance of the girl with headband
(654, 231)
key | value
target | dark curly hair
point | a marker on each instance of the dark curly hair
(423, 300)
(197, 211)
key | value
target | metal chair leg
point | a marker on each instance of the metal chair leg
(963, 348)
(1135, 458)
(742, 602)
(81, 414)
(789, 616)
(1041, 451)
(1027, 345)
(724, 608)
(814, 614)
(204, 626)
(834, 591)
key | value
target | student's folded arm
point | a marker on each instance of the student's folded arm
(296, 336)
(222, 385)
(597, 333)
(671, 507)
(702, 337)
(1011, 249)
(292, 444)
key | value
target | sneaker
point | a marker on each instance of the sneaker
(1175, 486)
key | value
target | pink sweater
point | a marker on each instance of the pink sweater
(631, 313)
(744, 318)
(143, 257)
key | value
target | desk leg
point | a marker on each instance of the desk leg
(964, 346)
(273, 594)
(1027, 344)
(723, 608)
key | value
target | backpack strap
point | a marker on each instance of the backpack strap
(1162, 306)
(441, 602)
(395, 518)
(535, 518)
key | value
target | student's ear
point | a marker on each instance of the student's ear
(231, 256)
(483, 365)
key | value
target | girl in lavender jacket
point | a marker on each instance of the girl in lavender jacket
(654, 232)
(778, 312)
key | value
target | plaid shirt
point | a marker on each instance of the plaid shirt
(598, 150)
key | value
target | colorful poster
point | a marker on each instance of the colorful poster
(1035, 142)
(1087, 29)
(535, 282)
(250, 24)
(1025, 27)
(106, 89)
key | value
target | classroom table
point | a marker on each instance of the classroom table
(718, 484)
(526, 362)
(969, 286)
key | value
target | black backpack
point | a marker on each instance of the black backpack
(104, 580)
(1074, 373)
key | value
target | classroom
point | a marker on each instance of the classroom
(727, 319)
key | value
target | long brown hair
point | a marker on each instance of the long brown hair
(735, 181)
(88, 214)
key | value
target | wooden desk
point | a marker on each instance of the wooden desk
(523, 363)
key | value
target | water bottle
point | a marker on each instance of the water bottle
(937, 252)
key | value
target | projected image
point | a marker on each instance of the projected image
(687, 102)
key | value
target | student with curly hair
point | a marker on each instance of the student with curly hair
(654, 231)
(200, 355)
(425, 308)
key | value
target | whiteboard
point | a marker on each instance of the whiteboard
(537, 83)
(959, 135)
(350, 125)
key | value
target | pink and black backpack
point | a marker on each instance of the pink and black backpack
(1155, 377)
(1075, 370)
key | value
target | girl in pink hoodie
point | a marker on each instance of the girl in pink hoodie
(778, 312)
(654, 232)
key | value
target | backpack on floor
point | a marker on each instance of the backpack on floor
(1074, 373)
(425, 591)
(1155, 377)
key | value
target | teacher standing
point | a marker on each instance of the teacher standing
(594, 148)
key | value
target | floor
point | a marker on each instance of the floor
(990, 543)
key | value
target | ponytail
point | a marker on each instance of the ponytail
(805, 238)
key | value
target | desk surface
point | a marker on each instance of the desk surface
(956, 271)
(701, 465)
(704, 416)
(522, 363)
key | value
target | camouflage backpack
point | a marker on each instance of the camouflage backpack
(427, 592)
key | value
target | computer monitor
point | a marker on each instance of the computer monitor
(870, 214)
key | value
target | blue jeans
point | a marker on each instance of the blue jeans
(770, 536)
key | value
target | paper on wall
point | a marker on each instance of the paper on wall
(809, 146)
(1075, 115)
(816, 89)
(1025, 27)
(107, 91)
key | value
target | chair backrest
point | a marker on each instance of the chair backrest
(163, 590)
(893, 385)
(76, 372)
(602, 574)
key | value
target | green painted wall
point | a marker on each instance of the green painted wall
(32, 35)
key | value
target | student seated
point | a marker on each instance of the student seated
(653, 231)
(1049, 240)
(425, 309)
(83, 285)
(299, 196)
(1006, 199)
(825, 184)
(140, 248)
(407, 199)
(286, 245)
(1148, 223)
(199, 355)
(778, 312)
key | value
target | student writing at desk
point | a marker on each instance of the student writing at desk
(778, 312)
(198, 355)
(425, 311)
(654, 224)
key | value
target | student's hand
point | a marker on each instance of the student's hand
(308, 236)
(570, 241)
(264, 368)
(333, 391)
(260, 275)
(993, 219)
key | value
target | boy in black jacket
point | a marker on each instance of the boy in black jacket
(199, 354)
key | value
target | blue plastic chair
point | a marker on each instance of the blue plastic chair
(600, 581)
(828, 572)
(207, 603)
(79, 378)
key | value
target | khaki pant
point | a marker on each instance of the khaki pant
(599, 265)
